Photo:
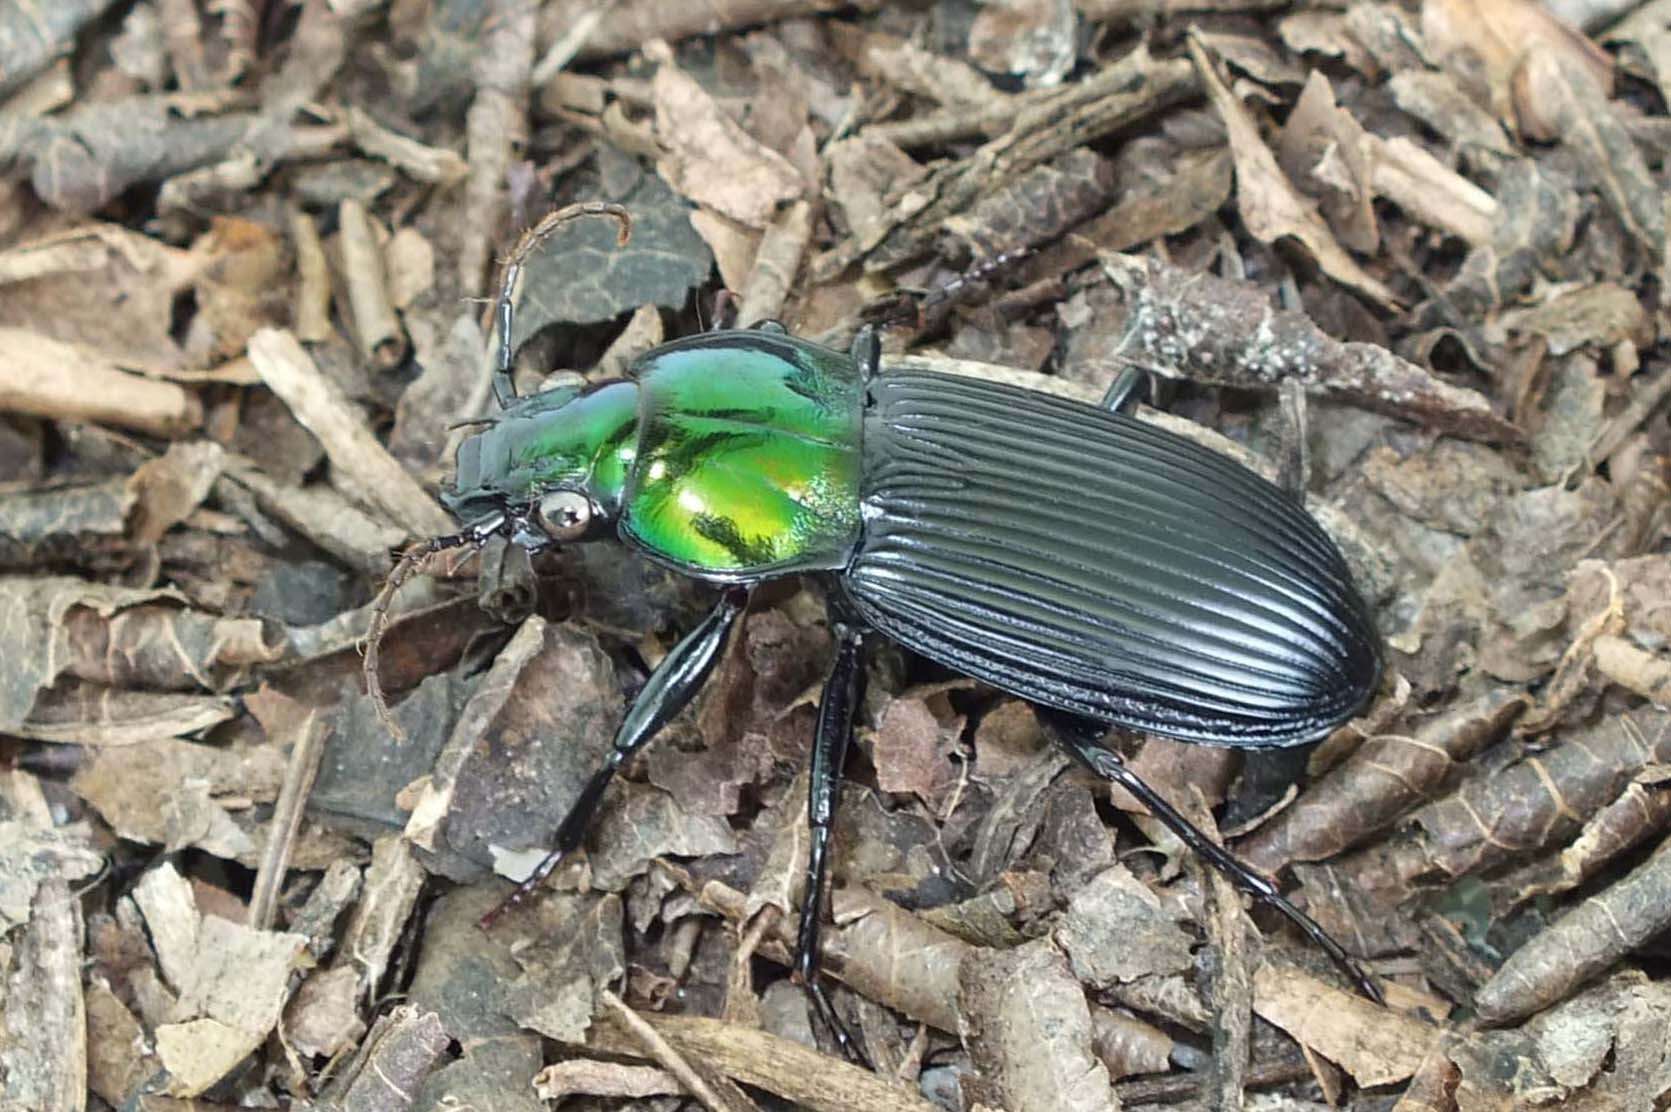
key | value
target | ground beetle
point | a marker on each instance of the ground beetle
(1108, 572)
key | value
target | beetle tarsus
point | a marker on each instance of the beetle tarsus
(1082, 739)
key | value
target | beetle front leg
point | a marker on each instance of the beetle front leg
(829, 753)
(670, 688)
(1081, 737)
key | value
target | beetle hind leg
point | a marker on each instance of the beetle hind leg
(1082, 737)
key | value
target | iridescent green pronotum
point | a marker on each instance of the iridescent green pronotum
(1111, 573)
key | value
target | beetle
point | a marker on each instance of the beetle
(1109, 572)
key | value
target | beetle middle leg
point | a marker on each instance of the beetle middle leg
(829, 753)
(1082, 738)
(672, 686)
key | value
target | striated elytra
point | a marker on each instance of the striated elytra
(1105, 570)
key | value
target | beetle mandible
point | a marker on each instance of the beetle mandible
(1107, 571)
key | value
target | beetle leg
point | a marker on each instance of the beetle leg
(1082, 739)
(672, 685)
(772, 325)
(1130, 385)
(867, 352)
(829, 753)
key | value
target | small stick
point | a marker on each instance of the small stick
(668, 1058)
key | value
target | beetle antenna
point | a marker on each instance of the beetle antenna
(405, 568)
(504, 390)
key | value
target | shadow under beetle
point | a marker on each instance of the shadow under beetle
(1106, 571)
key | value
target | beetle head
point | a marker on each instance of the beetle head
(550, 470)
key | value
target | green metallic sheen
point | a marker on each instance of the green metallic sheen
(748, 455)
(560, 439)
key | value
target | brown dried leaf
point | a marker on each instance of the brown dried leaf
(1376, 1045)
(1324, 151)
(1115, 931)
(241, 285)
(232, 982)
(1538, 212)
(103, 288)
(1033, 39)
(712, 160)
(1269, 205)
(1571, 105)
(167, 489)
(30, 855)
(323, 1017)
(1602, 1050)
(1029, 1033)
(577, 950)
(916, 746)
(177, 794)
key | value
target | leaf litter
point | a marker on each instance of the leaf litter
(239, 334)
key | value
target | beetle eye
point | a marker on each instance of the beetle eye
(564, 515)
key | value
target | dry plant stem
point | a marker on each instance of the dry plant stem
(1213, 330)
(313, 291)
(670, 1059)
(306, 751)
(362, 465)
(497, 115)
(393, 882)
(630, 24)
(1647, 674)
(570, 43)
(775, 265)
(376, 327)
(184, 193)
(44, 377)
(418, 161)
(1644, 401)
(777, 1065)
(1232, 991)
(45, 1058)
(588, 1077)
(321, 515)
(1582, 944)
(1128, 90)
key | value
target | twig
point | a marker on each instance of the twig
(669, 1058)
